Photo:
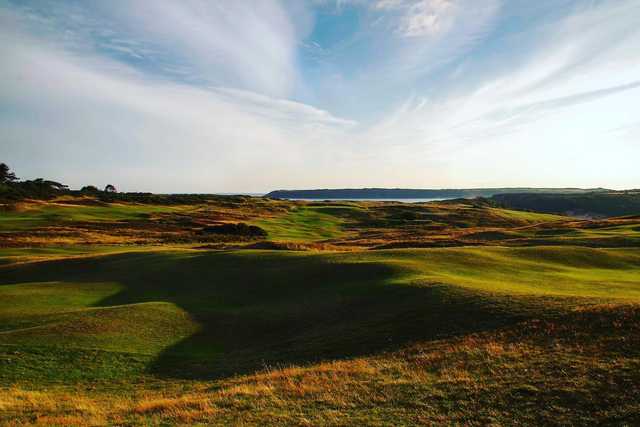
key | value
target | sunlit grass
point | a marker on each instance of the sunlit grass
(538, 373)
(154, 301)
(561, 271)
(304, 223)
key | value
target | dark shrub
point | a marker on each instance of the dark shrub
(240, 229)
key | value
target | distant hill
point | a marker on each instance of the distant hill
(592, 204)
(403, 193)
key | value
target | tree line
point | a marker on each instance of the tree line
(12, 188)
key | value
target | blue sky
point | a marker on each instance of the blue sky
(222, 96)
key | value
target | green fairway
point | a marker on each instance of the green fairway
(558, 271)
(307, 223)
(533, 217)
(206, 314)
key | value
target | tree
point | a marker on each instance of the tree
(110, 189)
(89, 189)
(6, 175)
(56, 185)
(50, 185)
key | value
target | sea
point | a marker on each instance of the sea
(373, 200)
(425, 200)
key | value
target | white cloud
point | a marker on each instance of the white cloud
(429, 34)
(429, 18)
(250, 45)
(388, 4)
(92, 120)
(282, 109)
(557, 107)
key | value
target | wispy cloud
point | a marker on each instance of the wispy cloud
(94, 111)
(548, 105)
(246, 45)
(249, 45)
(422, 17)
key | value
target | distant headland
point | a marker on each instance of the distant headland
(405, 193)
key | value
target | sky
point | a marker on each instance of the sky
(197, 96)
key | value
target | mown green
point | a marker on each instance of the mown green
(207, 314)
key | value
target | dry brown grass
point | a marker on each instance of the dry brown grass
(373, 225)
(64, 408)
(469, 380)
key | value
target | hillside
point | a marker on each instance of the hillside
(69, 222)
(218, 310)
(592, 204)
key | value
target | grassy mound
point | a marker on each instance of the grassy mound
(579, 368)
(201, 314)
(307, 223)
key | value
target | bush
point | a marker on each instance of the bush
(240, 229)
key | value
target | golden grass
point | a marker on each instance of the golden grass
(64, 408)
(300, 225)
(478, 369)
(334, 382)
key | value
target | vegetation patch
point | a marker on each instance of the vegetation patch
(240, 229)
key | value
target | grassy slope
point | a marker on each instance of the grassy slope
(340, 222)
(319, 224)
(531, 217)
(537, 373)
(126, 320)
(152, 336)
(221, 309)
(558, 271)
(305, 223)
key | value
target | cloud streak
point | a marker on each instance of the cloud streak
(74, 112)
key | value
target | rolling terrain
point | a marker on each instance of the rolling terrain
(340, 313)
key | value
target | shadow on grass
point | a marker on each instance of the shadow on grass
(260, 309)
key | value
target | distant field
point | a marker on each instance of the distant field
(328, 225)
